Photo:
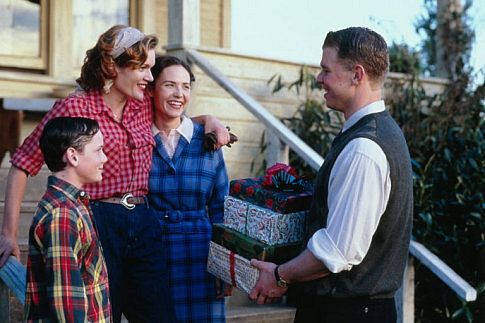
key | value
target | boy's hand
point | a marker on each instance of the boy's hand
(8, 246)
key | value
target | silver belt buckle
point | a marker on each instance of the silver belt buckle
(125, 203)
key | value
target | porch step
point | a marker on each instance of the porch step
(277, 313)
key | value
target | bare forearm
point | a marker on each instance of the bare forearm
(202, 119)
(303, 268)
(14, 194)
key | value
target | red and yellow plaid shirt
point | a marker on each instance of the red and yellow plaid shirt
(67, 279)
(127, 144)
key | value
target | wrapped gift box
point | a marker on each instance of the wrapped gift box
(249, 248)
(235, 212)
(251, 190)
(231, 268)
(264, 224)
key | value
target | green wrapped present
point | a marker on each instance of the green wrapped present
(249, 248)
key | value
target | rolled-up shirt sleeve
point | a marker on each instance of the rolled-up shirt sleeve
(358, 192)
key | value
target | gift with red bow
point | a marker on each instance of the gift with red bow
(280, 190)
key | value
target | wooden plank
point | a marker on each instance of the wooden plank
(464, 290)
(39, 105)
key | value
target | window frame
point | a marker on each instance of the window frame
(29, 62)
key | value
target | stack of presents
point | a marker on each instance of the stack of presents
(264, 218)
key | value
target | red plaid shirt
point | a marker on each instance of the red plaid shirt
(128, 145)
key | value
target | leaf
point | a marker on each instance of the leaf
(473, 163)
(458, 313)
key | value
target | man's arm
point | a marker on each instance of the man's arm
(303, 268)
(14, 193)
(211, 124)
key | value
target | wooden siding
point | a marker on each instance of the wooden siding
(215, 23)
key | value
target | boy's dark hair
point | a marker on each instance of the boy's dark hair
(61, 133)
(162, 62)
(359, 45)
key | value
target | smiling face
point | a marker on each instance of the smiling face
(171, 95)
(90, 161)
(336, 79)
(132, 81)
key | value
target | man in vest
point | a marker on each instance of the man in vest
(360, 219)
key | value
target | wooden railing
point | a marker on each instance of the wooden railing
(462, 289)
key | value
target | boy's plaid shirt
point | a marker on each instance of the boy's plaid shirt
(67, 279)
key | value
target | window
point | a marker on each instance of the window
(90, 19)
(23, 38)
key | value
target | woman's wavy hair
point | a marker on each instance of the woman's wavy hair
(99, 64)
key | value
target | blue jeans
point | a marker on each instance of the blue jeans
(135, 256)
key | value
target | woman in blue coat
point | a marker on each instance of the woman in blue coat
(187, 187)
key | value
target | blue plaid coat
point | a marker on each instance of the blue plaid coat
(187, 195)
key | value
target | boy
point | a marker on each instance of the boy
(67, 280)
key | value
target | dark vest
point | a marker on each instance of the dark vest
(380, 273)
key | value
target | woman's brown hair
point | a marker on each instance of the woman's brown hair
(98, 64)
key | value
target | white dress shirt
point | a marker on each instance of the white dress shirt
(170, 141)
(358, 191)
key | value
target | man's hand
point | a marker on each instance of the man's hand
(8, 246)
(266, 288)
(212, 124)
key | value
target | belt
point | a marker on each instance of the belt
(128, 200)
(176, 216)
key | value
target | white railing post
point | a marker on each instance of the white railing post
(183, 23)
(405, 295)
(441, 270)
(276, 150)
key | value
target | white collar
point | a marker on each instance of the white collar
(185, 129)
(374, 107)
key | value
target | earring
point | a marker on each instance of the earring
(107, 86)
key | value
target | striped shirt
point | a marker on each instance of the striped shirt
(67, 279)
(127, 144)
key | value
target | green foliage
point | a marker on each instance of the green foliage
(404, 59)
(446, 137)
(445, 134)
(426, 26)
(450, 30)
